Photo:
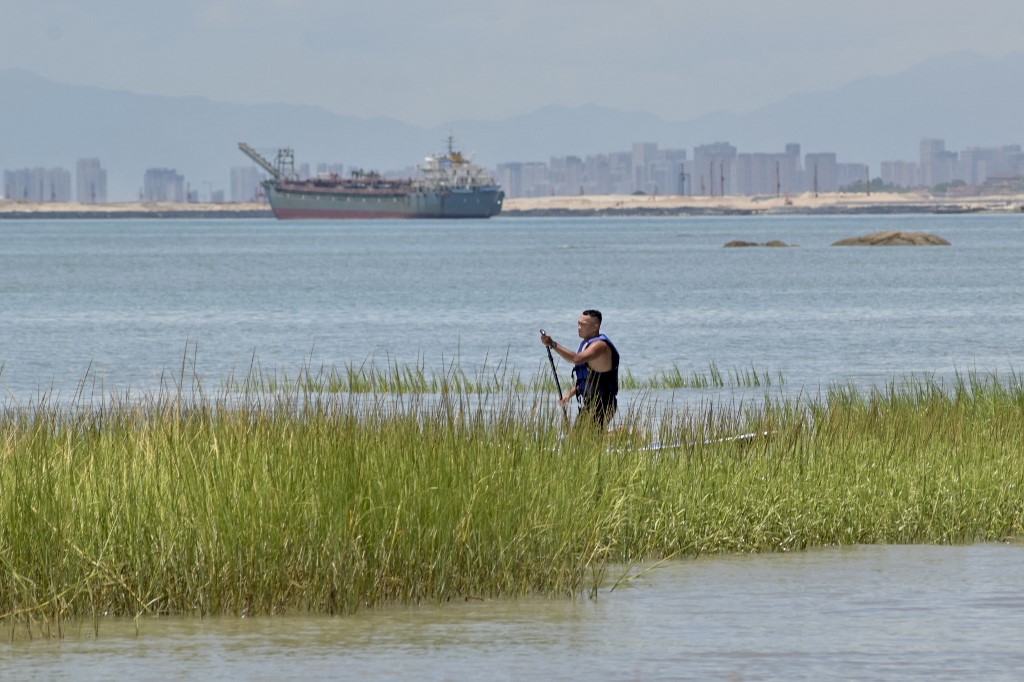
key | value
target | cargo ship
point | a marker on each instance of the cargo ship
(447, 185)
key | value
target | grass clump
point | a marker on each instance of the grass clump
(368, 377)
(313, 501)
(392, 378)
(713, 378)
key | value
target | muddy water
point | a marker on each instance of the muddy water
(866, 612)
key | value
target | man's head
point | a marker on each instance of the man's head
(589, 324)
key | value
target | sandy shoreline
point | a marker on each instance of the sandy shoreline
(803, 203)
(18, 209)
(574, 205)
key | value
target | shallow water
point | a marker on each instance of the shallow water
(128, 303)
(864, 612)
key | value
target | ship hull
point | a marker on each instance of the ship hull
(301, 204)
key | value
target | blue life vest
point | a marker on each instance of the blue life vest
(591, 383)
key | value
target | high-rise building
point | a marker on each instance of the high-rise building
(978, 164)
(851, 174)
(90, 182)
(16, 185)
(39, 185)
(666, 172)
(711, 169)
(643, 156)
(245, 184)
(772, 174)
(937, 165)
(567, 175)
(901, 173)
(530, 179)
(163, 184)
(931, 148)
(820, 172)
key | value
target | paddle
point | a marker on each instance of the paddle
(558, 384)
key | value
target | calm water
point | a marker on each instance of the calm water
(121, 301)
(124, 299)
(869, 613)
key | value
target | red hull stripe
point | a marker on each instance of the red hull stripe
(310, 214)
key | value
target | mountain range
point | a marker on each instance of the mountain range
(964, 98)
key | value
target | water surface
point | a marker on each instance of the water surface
(128, 304)
(130, 301)
(864, 612)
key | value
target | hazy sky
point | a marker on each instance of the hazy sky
(426, 62)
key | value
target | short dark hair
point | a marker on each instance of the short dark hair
(593, 313)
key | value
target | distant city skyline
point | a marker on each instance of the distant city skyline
(424, 63)
(723, 169)
(715, 169)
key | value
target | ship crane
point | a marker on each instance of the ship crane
(285, 167)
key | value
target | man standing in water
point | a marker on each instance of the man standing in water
(596, 369)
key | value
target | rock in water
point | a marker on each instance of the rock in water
(740, 242)
(894, 238)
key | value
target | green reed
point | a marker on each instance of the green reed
(713, 378)
(369, 377)
(317, 501)
(392, 378)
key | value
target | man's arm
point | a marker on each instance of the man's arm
(594, 354)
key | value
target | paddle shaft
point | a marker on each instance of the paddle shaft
(558, 384)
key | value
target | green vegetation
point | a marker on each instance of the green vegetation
(394, 379)
(877, 185)
(273, 502)
(416, 379)
(944, 187)
(676, 378)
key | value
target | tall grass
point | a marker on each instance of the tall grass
(391, 378)
(315, 501)
(714, 378)
(370, 377)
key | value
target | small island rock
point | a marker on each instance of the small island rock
(894, 238)
(740, 242)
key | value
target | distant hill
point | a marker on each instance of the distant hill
(54, 124)
(964, 98)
